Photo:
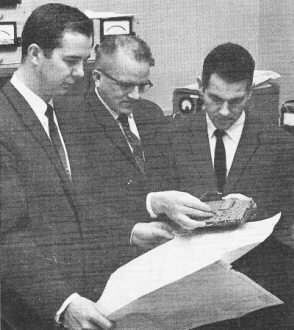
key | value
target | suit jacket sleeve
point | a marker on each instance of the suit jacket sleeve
(284, 188)
(33, 201)
(32, 287)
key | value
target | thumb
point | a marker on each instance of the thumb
(164, 230)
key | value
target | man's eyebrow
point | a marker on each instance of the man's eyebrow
(214, 96)
(238, 98)
(220, 98)
(76, 57)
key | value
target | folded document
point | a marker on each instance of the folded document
(188, 282)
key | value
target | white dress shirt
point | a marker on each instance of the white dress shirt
(131, 120)
(231, 139)
(39, 107)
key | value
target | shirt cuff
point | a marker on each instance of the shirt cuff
(64, 305)
(149, 208)
(131, 238)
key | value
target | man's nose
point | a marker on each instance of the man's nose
(78, 70)
(224, 109)
(134, 93)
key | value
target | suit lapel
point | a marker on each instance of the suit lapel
(109, 126)
(142, 120)
(199, 145)
(32, 123)
(248, 146)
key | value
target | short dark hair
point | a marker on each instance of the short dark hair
(46, 26)
(138, 48)
(231, 62)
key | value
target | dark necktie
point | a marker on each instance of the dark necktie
(220, 167)
(134, 142)
(55, 139)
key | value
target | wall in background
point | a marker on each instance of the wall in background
(181, 33)
(276, 42)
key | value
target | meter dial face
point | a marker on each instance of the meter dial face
(186, 105)
(116, 27)
(7, 34)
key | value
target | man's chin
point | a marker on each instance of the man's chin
(126, 111)
(63, 90)
(224, 125)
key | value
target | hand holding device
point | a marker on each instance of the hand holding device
(231, 210)
(182, 208)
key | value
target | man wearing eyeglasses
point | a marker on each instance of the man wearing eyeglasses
(126, 139)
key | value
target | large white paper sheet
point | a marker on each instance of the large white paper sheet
(212, 294)
(181, 257)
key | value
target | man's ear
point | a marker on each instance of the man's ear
(96, 77)
(200, 85)
(35, 54)
(251, 90)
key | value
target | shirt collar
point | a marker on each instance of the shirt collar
(113, 113)
(35, 102)
(234, 132)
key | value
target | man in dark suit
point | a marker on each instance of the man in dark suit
(229, 150)
(257, 158)
(52, 256)
(126, 131)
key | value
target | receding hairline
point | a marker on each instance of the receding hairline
(132, 46)
(108, 60)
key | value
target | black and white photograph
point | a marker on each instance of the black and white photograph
(147, 164)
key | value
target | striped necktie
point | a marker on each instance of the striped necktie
(134, 142)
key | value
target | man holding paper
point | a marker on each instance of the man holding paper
(51, 254)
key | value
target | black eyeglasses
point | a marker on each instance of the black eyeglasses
(129, 86)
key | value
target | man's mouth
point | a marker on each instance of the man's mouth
(225, 119)
(66, 83)
(128, 103)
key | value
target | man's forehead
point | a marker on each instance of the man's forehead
(72, 41)
(219, 84)
(125, 66)
(113, 61)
